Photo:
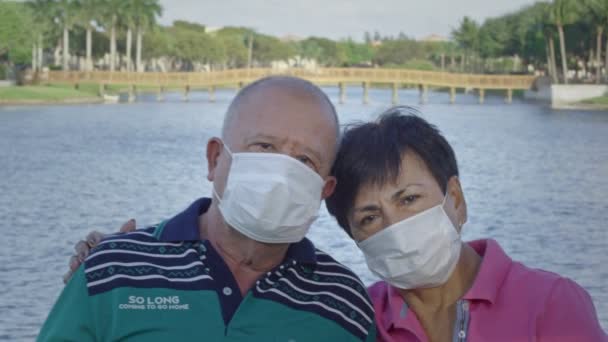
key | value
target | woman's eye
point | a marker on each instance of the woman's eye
(410, 199)
(367, 220)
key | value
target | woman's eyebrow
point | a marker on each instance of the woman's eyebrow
(369, 207)
(400, 192)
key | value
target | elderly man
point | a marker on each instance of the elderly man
(236, 266)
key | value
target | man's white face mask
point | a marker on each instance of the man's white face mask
(270, 197)
(419, 252)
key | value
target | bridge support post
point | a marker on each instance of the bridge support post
(423, 93)
(211, 94)
(452, 95)
(365, 92)
(186, 93)
(160, 96)
(395, 97)
(131, 93)
(509, 98)
(482, 96)
(342, 92)
(102, 90)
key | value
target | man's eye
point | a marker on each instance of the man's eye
(307, 161)
(263, 146)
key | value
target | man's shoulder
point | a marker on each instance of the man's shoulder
(141, 242)
(327, 265)
(333, 275)
(141, 259)
(326, 288)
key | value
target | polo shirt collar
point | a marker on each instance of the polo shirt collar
(184, 227)
(492, 273)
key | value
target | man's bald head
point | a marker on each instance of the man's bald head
(278, 85)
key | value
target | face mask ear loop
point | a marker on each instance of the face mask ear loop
(216, 194)
(445, 197)
(225, 146)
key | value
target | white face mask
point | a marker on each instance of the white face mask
(270, 197)
(419, 252)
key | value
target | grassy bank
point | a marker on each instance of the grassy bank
(46, 94)
(600, 101)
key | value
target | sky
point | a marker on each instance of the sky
(338, 19)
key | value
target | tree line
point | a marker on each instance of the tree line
(532, 33)
(125, 35)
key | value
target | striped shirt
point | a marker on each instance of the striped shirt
(163, 282)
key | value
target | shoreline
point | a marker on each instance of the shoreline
(69, 101)
(582, 106)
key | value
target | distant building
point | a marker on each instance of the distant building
(434, 38)
(211, 29)
(290, 38)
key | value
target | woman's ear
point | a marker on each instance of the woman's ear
(214, 149)
(454, 189)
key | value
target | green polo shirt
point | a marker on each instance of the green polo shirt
(164, 283)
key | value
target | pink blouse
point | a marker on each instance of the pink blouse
(507, 302)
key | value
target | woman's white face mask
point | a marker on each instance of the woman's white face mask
(419, 252)
(270, 197)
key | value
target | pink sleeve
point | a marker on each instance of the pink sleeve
(569, 315)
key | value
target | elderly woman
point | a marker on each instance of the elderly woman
(399, 197)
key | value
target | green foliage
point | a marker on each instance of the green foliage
(186, 25)
(326, 51)
(565, 12)
(158, 43)
(16, 34)
(523, 33)
(399, 52)
(356, 53)
(3, 71)
(467, 35)
(189, 43)
(267, 49)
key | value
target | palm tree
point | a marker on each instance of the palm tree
(551, 64)
(64, 13)
(109, 18)
(563, 12)
(128, 15)
(42, 23)
(139, 16)
(144, 17)
(549, 32)
(597, 10)
(86, 14)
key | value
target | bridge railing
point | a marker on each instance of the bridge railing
(321, 75)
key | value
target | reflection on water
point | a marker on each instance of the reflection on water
(534, 179)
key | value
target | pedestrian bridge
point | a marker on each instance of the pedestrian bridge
(342, 77)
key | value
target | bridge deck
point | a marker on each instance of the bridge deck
(319, 76)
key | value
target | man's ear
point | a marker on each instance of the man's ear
(215, 146)
(329, 187)
(460, 205)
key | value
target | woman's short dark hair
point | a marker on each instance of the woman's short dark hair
(371, 153)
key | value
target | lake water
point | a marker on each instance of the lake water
(535, 180)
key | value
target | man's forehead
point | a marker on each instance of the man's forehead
(280, 97)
